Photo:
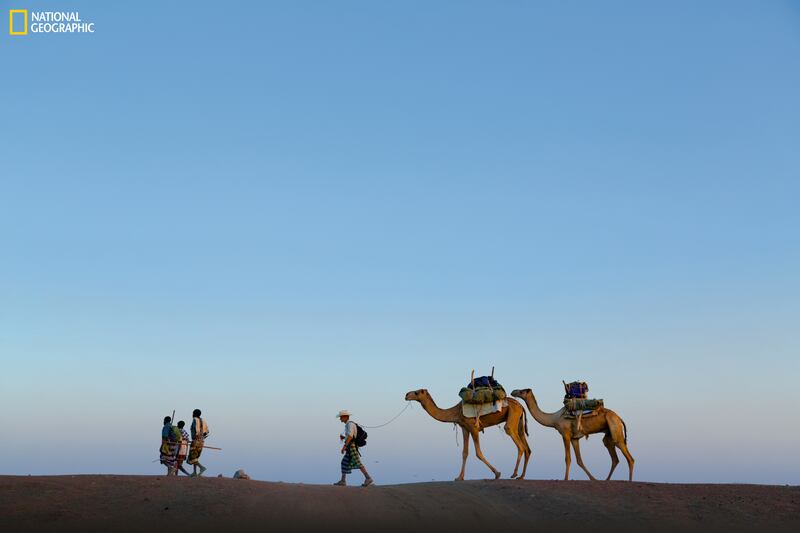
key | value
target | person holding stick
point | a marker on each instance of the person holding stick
(170, 441)
(199, 434)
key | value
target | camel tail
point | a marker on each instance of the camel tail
(625, 431)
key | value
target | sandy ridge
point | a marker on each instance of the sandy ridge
(150, 503)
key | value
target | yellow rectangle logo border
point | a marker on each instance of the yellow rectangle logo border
(11, 22)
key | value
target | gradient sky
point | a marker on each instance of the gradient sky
(276, 210)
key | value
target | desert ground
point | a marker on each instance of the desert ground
(157, 503)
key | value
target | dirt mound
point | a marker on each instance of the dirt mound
(148, 503)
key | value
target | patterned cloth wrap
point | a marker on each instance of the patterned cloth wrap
(195, 450)
(169, 450)
(351, 459)
(183, 450)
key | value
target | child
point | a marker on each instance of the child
(183, 449)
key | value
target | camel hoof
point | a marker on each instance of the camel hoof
(459, 479)
(497, 475)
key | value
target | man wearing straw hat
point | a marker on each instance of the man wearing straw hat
(352, 457)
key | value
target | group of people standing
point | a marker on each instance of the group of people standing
(176, 445)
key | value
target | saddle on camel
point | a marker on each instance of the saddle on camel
(577, 406)
(482, 396)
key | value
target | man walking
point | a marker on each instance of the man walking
(352, 457)
(199, 434)
(183, 448)
(170, 440)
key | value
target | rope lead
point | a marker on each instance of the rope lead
(390, 421)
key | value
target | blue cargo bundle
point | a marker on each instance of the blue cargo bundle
(576, 389)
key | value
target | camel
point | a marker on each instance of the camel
(516, 427)
(607, 421)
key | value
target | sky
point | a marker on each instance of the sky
(272, 211)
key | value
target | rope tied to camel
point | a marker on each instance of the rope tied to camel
(408, 404)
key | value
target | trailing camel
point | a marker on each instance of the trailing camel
(513, 415)
(605, 421)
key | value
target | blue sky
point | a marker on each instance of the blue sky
(277, 210)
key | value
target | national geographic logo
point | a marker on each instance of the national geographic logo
(22, 29)
(22, 22)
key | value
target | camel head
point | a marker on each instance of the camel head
(521, 393)
(417, 395)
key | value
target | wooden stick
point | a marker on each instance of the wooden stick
(492, 372)
(472, 379)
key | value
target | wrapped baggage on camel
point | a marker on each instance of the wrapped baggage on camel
(575, 398)
(484, 389)
(576, 389)
(580, 404)
(577, 405)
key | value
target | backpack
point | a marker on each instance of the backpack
(174, 434)
(361, 437)
(173, 437)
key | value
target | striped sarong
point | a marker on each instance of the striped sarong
(169, 451)
(195, 450)
(351, 459)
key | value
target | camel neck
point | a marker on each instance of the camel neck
(442, 415)
(545, 419)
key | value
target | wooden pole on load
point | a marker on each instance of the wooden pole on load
(492, 372)
(477, 418)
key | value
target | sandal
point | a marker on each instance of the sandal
(367, 482)
(340, 484)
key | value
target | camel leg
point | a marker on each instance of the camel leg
(523, 438)
(576, 445)
(477, 440)
(612, 451)
(623, 447)
(527, 457)
(520, 449)
(567, 457)
(464, 454)
(617, 430)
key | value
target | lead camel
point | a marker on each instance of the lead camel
(513, 415)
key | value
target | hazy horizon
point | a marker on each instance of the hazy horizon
(283, 209)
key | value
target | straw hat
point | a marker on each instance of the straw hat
(342, 413)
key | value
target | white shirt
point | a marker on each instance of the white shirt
(349, 430)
